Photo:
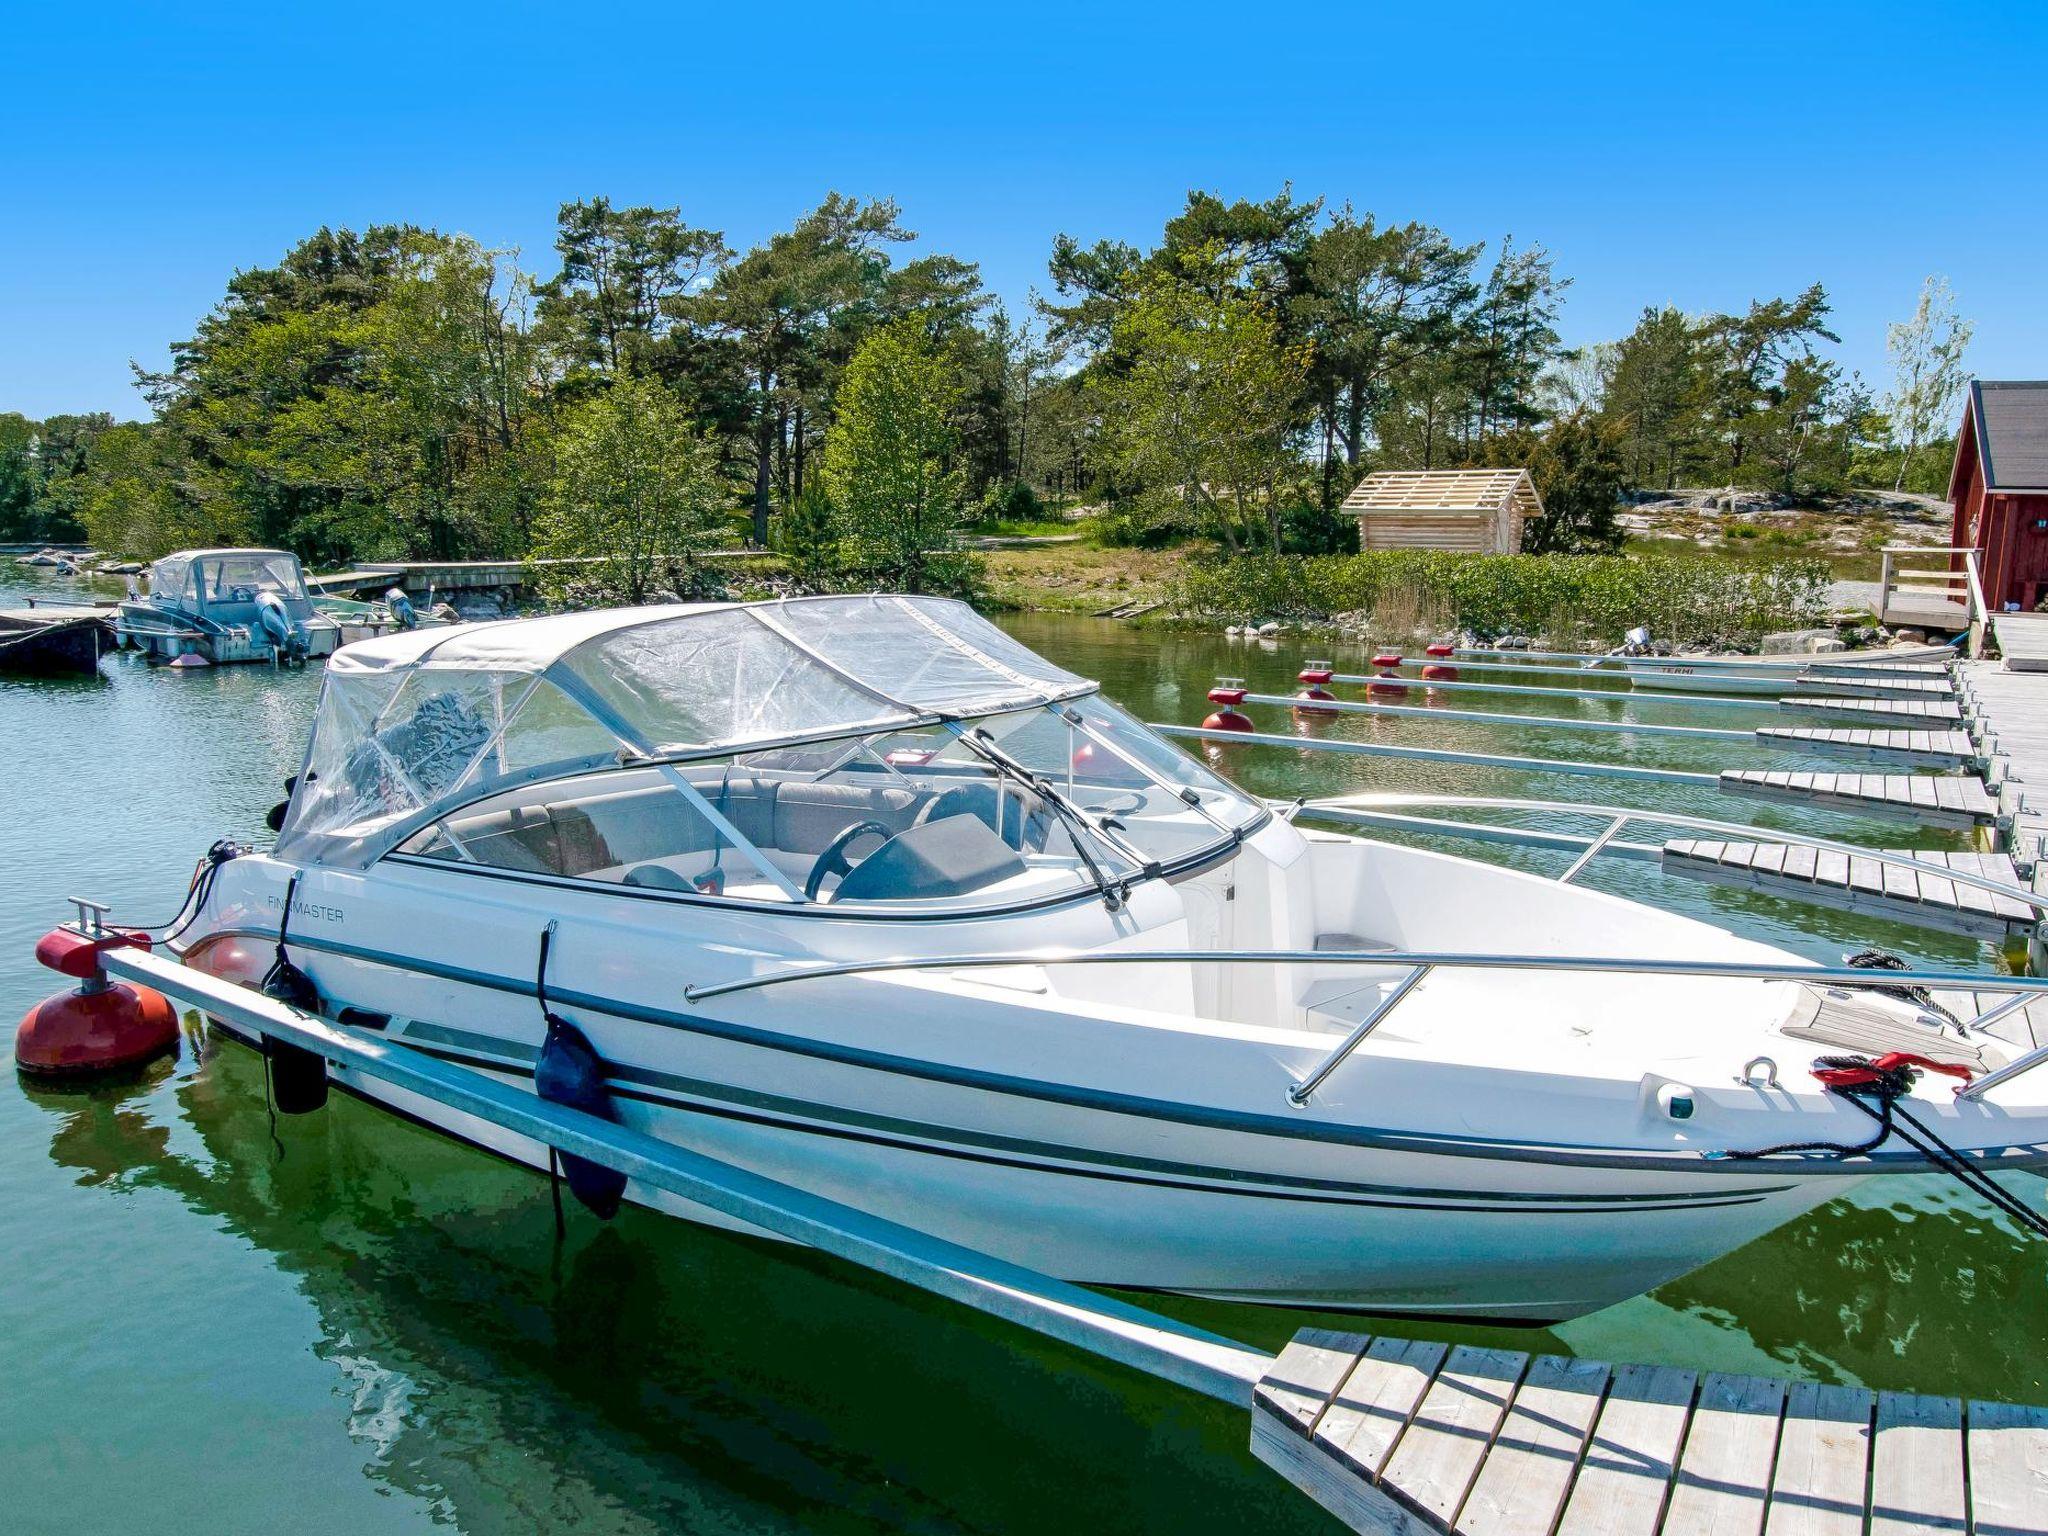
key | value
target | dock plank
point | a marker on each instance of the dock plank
(1623, 1482)
(1439, 1456)
(1372, 1408)
(1820, 1485)
(1489, 1442)
(1916, 1466)
(1529, 1470)
(1865, 883)
(2008, 1469)
(1895, 711)
(1724, 1471)
(1949, 800)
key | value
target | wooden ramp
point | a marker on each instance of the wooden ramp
(1929, 749)
(1397, 1436)
(1848, 668)
(1892, 711)
(1859, 884)
(1936, 800)
(2022, 640)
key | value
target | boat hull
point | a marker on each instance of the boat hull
(56, 644)
(1124, 1201)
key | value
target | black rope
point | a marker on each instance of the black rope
(1919, 997)
(1881, 1099)
(270, 1101)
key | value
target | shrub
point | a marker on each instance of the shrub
(1591, 598)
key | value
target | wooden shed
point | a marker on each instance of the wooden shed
(2000, 491)
(1480, 511)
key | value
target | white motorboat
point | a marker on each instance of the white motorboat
(226, 605)
(862, 895)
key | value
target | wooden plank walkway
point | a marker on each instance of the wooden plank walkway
(1850, 668)
(1939, 800)
(1858, 884)
(1893, 711)
(1834, 684)
(1401, 1438)
(1931, 749)
(2022, 640)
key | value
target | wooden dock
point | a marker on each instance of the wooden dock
(2022, 640)
(1892, 711)
(1401, 1437)
(1929, 749)
(1937, 800)
(1860, 884)
(1836, 684)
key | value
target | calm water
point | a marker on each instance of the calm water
(377, 1332)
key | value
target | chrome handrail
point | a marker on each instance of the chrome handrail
(1419, 963)
(1298, 1095)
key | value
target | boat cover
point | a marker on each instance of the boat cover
(413, 722)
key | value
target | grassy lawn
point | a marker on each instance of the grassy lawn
(1078, 578)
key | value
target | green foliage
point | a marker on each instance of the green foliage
(1202, 407)
(807, 535)
(1578, 467)
(887, 462)
(1591, 598)
(635, 491)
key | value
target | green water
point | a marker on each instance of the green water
(377, 1332)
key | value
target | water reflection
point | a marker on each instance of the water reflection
(650, 1375)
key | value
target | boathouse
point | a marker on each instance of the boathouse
(2000, 491)
(1479, 511)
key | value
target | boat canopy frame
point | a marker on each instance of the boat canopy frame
(648, 687)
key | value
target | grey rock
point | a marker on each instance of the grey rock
(1794, 642)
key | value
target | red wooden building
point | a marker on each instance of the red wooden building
(2000, 491)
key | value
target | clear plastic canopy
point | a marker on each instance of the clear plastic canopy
(425, 719)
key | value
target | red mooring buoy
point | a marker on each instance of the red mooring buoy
(1228, 717)
(1314, 691)
(1385, 683)
(1438, 667)
(102, 1026)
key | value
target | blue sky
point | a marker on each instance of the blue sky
(1700, 155)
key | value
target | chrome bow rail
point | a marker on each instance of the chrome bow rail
(1417, 964)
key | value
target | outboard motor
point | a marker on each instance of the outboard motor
(401, 609)
(285, 636)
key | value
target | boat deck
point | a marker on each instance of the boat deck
(1857, 884)
(1931, 749)
(1939, 800)
(1405, 1436)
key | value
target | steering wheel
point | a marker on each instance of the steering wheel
(833, 861)
(1098, 800)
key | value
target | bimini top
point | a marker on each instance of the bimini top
(413, 722)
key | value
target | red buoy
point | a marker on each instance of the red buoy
(1437, 667)
(1314, 693)
(1227, 718)
(104, 1026)
(1385, 684)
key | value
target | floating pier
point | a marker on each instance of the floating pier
(1893, 711)
(1854, 883)
(1835, 684)
(1931, 749)
(1938, 800)
(1399, 1436)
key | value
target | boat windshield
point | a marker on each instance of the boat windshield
(904, 712)
(1020, 807)
(239, 578)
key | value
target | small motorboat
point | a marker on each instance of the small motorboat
(224, 605)
(862, 895)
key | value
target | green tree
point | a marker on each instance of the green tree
(1652, 393)
(774, 308)
(635, 491)
(1927, 372)
(888, 461)
(1803, 436)
(1579, 467)
(624, 274)
(1203, 409)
